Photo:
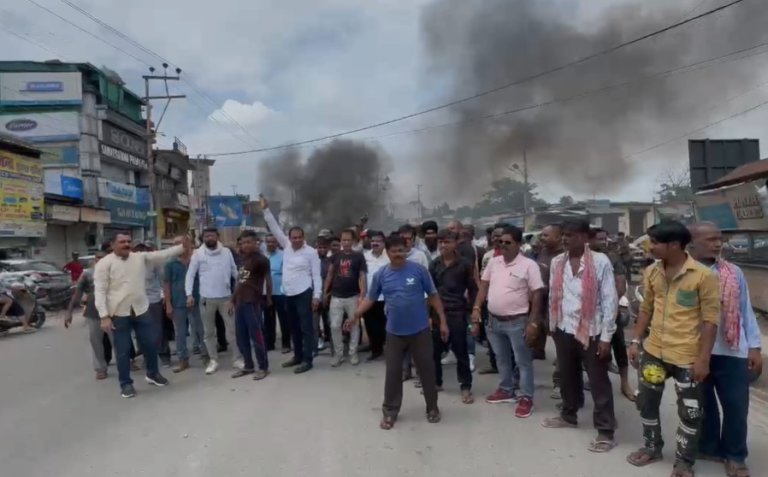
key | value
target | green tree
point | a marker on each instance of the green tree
(675, 187)
(507, 193)
(566, 201)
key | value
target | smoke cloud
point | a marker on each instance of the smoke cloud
(580, 143)
(332, 187)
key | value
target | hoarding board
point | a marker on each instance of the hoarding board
(21, 196)
(41, 88)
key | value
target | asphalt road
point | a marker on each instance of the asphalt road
(57, 420)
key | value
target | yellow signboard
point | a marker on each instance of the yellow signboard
(21, 196)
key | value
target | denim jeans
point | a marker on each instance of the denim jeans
(299, 310)
(157, 315)
(508, 339)
(728, 382)
(249, 323)
(187, 319)
(146, 335)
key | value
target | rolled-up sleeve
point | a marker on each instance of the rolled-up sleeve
(709, 299)
(647, 304)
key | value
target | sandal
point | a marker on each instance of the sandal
(643, 457)
(558, 423)
(433, 416)
(602, 445)
(387, 422)
(467, 397)
(630, 396)
(736, 469)
(682, 469)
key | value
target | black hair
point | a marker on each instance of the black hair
(555, 225)
(580, 226)
(499, 225)
(394, 233)
(248, 234)
(489, 230)
(351, 232)
(376, 233)
(333, 239)
(593, 231)
(394, 241)
(295, 227)
(670, 231)
(321, 241)
(514, 232)
(106, 247)
(447, 234)
(213, 230)
(406, 228)
(429, 225)
(117, 234)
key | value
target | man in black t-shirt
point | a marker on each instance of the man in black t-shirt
(345, 286)
(247, 302)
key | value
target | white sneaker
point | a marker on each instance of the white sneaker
(354, 360)
(320, 344)
(450, 358)
(472, 363)
(238, 364)
(213, 365)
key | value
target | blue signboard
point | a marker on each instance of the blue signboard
(226, 210)
(126, 213)
(72, 187)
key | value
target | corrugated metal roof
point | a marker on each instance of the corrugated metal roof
(745, 173)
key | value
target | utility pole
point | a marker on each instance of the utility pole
(418, 200)
(151, 136)
(526, 198)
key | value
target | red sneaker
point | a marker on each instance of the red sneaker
(524, 408)
(500, 396)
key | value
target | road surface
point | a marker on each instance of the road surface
(57, 420)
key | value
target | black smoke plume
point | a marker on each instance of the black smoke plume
(579, 143)
(332, 187)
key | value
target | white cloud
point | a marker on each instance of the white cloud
(234, 113)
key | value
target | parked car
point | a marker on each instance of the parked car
(52, 286)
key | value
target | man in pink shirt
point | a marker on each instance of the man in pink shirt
(514, 288)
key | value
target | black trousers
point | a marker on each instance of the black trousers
(272, 316)
(419, 346)
(619, 346)
(457, 341)
(376, 327)
(572, 359)
(221, 332)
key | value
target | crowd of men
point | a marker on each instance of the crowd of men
(428, 296)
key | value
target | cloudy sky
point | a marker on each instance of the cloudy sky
(262, 73)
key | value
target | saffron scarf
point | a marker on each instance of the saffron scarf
(589, 292)
(730, 295)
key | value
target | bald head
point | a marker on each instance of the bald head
(455, 226)
(706, 241)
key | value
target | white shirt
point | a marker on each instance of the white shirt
(301, 268)
(374, 264)
(217, 269)
(119, 284)
(418, 256)
(604, 323)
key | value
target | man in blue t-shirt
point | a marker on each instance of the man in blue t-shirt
(404, 285)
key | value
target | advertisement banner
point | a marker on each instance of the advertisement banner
(117, 191)
(226, 210)
(740, 207)
(40, 88)
(57, 126)
(96, 216)
(21, 196)
(63, 182)
(126, 213)
(64, 213)
(123, 140)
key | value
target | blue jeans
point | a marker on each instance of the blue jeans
(146, 335)
(249, 327)
(187, 319)
(508, 341)
(728, 382)
(302, 326)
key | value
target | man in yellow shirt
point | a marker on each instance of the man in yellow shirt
(680, 313)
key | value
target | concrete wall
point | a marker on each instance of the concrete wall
(757, 277)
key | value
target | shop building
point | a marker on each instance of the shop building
(172, 168)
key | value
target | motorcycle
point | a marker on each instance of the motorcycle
(23, 293)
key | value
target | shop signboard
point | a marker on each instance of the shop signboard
(63, 182)
(41, 88)
(95, 216)
(57, 126)
(21, 196)
(128, 204)
(227, 210)
(739, 207)
(64, 213)
(58, 155)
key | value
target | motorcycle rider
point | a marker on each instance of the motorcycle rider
(10, 306)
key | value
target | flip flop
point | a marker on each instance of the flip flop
(387, 422)
(630, 397)
(601, 446)
(467, 397)
(643, 457)
(682, 470)
(433, 417)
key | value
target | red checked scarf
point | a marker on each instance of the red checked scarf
(730, 294)
(589, 293)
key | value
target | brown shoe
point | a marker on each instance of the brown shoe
(101, 375)
(181, 366)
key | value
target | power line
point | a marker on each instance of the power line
(151, 52)
(703, 64)
(502, 87)
(30, 40)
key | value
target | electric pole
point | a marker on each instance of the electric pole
(151, 136)
(418, 199)
(526, 198)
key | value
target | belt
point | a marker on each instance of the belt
(509, 317)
